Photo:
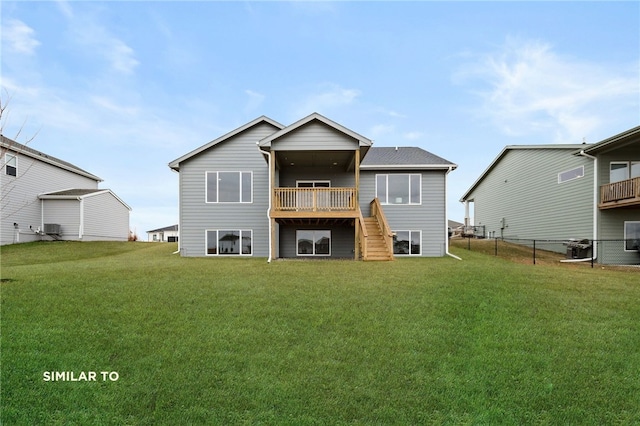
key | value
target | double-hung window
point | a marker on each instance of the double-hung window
(399, 188)
(230, 242)
(229, 187)
(11, 165)
(407, 243)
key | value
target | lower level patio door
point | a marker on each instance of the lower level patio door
(305, 199)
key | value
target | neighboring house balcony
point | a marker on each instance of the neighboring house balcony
(625, 193)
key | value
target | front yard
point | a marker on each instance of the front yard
(240, 341)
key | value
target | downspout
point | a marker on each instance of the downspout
(268, 154)
(446, 218)
(594, 252)
(81, 228)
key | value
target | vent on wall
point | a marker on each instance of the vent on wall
(52, 229)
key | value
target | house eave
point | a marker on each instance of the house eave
(409, 167)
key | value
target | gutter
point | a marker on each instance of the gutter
(594, 253)
(268, 154)
(446, 217)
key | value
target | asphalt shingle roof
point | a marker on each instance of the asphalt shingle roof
(402, 156)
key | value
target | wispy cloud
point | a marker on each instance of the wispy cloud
(329, 97)
(531, 88)
(254, 102)
(18, 37)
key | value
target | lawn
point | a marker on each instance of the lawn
(240, 341)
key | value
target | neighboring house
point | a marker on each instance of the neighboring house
(45, 198)
(168, 234)
(311, 189)
(551, 192)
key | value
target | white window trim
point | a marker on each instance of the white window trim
(625, 235)
(386, 202)
(206, 187)
(573, 178)
(7, 158)
(314, 245)
(217, 253)
(410, 231)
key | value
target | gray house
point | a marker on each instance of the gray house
(45, 198)
(562, 192)
(311, 189)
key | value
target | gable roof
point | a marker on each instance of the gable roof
(506, 149)
(166, 228)
(362, 141)
(11, 145)
(613, 142)
(403, 158)
(79, 194)
(175, 164)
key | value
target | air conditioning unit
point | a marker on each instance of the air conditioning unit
(52, 228)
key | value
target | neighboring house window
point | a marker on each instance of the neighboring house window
(572, 174)
(407, 243)
(11, 164)
(623, 170)
(399, 188)
(632, 236)
(229, 187)
(229, 242)
(155, 237)
(313, 242)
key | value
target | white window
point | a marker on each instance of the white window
(572, 174)
(229, 187)
(399, 188)
(11, 165)
(407, 243)
(623, 170)
(229, 242)
(313, 242)
(632, 236)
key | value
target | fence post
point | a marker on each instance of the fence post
(593, 250)
(496, 250)
(534, 252)
(469, 243)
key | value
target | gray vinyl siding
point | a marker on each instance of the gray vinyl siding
(20, 203)
(428, 217)
(105, 218)
(65, 213)
(238, 153)
(314, 136)
(611, 221)
(523, 189)
(342, 241)
(289, 176)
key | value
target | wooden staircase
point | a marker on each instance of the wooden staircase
(376, 245)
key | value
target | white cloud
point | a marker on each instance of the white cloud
(330, 96)
(254, 102)
(18, 37)
(412, 136)
(381, 130)
(534, 89)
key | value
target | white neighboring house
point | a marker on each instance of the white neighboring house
(45, 198)
(168, 234)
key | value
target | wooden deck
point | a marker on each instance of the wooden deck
(625, 193)
(314, 203)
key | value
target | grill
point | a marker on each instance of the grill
(578, 249)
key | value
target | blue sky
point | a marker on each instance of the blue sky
(122, 88)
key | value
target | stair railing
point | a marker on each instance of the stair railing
(363, 235)
(378, 213)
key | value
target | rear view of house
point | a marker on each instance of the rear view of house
(45, 198)
(313, 189)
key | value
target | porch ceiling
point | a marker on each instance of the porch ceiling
(316, 221)
(343, 160)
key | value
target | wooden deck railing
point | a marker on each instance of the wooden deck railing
(362, 234)
(314, 199)
(378, 213)
(619, 191)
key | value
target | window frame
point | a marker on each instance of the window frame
(629, 169)
(581, 175)
(313, 254)
(626, 239)
(8, 159)
(411, 232)
(389, 196)
(240, 187)
(217, 240)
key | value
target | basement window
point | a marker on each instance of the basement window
(631, 236)
(407, 243)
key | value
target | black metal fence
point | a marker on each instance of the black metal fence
(540, 251)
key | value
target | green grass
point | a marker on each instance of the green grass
(240, 341)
